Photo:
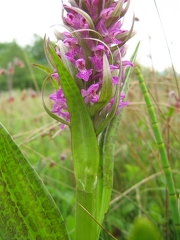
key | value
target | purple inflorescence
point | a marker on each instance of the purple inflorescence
(94, 29)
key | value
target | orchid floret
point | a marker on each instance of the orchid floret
(90, 95)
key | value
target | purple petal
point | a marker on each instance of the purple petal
(115, 80)
(69, 56)
(91, 95)
(98, 51)
(80, 64)
(70, 42)
(101, 28)
(97, 62)
(105, 13)
(127, 64)
(84, 75)
(55, 75)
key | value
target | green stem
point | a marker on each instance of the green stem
(163, 156)
(106, 166)
(86, 227)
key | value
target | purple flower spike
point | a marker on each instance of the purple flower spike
(93, 45)
(83, 72)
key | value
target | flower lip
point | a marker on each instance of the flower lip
(98, 51)
(80, 64)
(90, 94)
(83, 72)
(70, 42)
(106, 13)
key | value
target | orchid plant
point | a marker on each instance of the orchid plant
(89, 74)
(90, 80)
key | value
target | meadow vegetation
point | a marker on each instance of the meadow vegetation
(139, 184)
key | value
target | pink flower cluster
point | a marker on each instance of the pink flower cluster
(94, 28)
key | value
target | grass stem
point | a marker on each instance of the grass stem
(163, 156)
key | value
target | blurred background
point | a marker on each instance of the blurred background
(24, 24)
(19, 20)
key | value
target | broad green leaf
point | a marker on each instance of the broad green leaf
(27, 210)
(83, 139)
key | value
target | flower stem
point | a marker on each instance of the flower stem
(86, 227)
(163, 156)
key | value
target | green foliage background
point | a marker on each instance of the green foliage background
(29, 54)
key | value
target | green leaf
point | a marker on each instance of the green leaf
(27, 210)
(46, 43)
(43, 68)
(125, 9)
(129, 70)
(83, 139)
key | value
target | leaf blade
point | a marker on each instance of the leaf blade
(83, 139)
(27, 209)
